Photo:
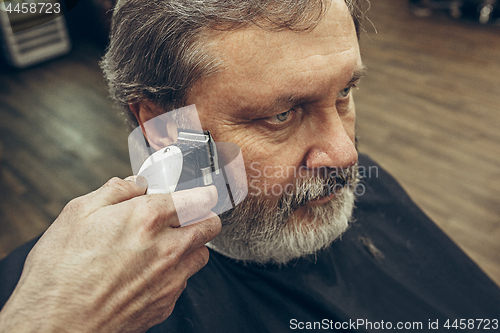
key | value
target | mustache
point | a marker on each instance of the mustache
(255, 210)
(324, 182)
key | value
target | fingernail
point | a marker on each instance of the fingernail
(140, 181)
(131, 178)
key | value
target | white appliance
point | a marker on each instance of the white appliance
(32, 37)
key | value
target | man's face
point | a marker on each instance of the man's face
(284, 98)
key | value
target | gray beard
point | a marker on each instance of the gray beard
(263, 230)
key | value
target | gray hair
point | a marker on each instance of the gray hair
(157, 48)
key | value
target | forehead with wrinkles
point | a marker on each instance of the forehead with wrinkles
(257, 65)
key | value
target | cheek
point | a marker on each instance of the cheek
(269, 181)
(272, 177)
(349, 121)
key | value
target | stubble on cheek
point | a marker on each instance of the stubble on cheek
(270, 182)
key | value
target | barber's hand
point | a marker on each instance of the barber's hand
(114, 260)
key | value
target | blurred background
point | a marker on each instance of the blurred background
(428, 112)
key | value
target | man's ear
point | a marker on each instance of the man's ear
(157, 126)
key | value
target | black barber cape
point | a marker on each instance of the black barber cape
(393, 268)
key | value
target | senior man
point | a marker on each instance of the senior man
(274, 77)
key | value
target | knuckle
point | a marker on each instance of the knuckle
(113, 182)
(164, 309)
(204, 256)
(212, 227)
(74, 206)
(152, 218)
(118, 185)
(154, 213)
(198, 259)
(203, 231)
(195, 235)
(174, 288)
(216, 224)
(168, 311)
(172, 255)
(180, 287)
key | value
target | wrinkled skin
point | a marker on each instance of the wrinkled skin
(113, 261)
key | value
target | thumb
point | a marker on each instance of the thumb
(117, 190)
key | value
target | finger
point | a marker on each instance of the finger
(117, 190)
(159, 213)
(203, 218)
(194, 203)
(195, 261)
(140, 181)
(195, 235)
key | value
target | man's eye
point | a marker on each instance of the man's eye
(280, 118)
(344, 93)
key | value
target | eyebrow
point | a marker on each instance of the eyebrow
(357, 75)
(283, 101)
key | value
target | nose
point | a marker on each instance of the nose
(333, 145)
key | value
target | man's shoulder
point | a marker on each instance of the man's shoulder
(413, 251)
